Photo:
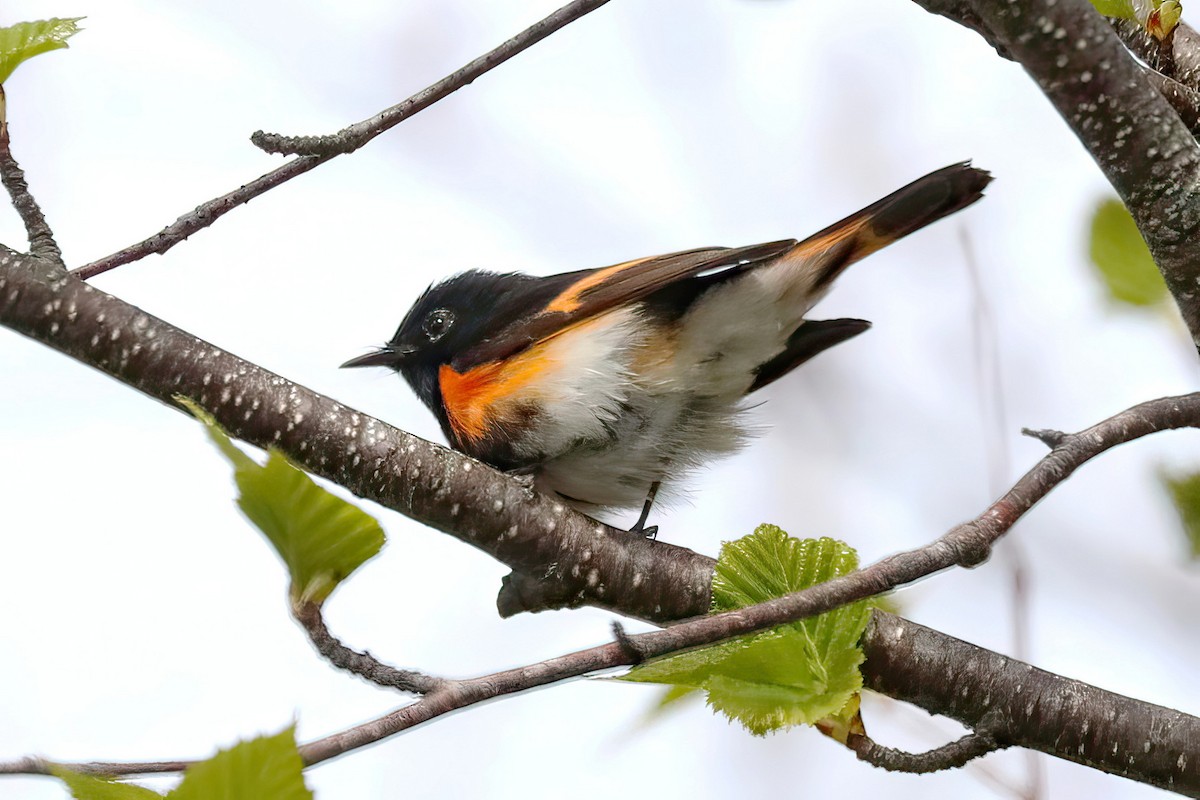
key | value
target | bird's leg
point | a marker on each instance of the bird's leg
(640, 526)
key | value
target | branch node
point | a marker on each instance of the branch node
(336, 144)
(1050, 438)
(630, 648)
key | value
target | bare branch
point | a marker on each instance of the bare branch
(363, 665)
(323, 149)
(949, 756)
(1183, 98)
(355, 136)
(1021, 705)
(41, 238)
(200, 218)
(1182, 51)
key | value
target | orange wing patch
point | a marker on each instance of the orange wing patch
(569, 300)
(835, 235)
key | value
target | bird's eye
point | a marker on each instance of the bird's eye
(437, 323)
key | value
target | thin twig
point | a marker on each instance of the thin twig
(199, 218)
(355, 136)
(364, 664)
(1048, 437)
(989, 379)
(41, 238)
(627, 643)
(208, 213)
(949, 756)
(902, 648)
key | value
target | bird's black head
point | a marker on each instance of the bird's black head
(453, 318)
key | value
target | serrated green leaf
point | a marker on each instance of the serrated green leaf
(23, 41)
(1185, 493)
(321, 538)
(85, 787)
(1120, 255)
(267, 767)
(802, 672)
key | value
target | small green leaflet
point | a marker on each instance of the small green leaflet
(1157, 17)
(269, 766)
(1120, 255)
(85, 787)
(320, 537)
(1185, 492)
(802, 672)
(23, 41)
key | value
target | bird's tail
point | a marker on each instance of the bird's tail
(920, 203)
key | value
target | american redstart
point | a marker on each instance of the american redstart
(604, 383)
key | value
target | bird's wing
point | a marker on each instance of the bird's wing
(596, 291)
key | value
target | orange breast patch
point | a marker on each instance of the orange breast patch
(474, 399)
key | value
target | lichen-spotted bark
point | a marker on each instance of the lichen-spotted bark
(1144, 148)
(1031, 707)
(557, 552)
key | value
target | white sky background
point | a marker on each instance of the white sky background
(143, 618)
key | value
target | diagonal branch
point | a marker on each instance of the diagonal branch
(322, 149)
(580, 560)
(1011, 703)
(583, 561)
(355, 136)
(1139, 141)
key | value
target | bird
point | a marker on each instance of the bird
(603, 385)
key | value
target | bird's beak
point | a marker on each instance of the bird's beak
(384, 357)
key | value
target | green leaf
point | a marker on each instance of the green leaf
(1185, 492)
(1115, 8)
(1164, 19)
(321, 538)
(1122, 258)
(798, 673)
(23, 41)
(267, 767)
(85, 787)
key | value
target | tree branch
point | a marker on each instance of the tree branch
(41, 238)
(1013, 702)
(949, 756)
(579, 559)
(1184, 50)
(1021, 705)
(323, 149)
(1143, 147)
(351, 138)
(364, 665)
